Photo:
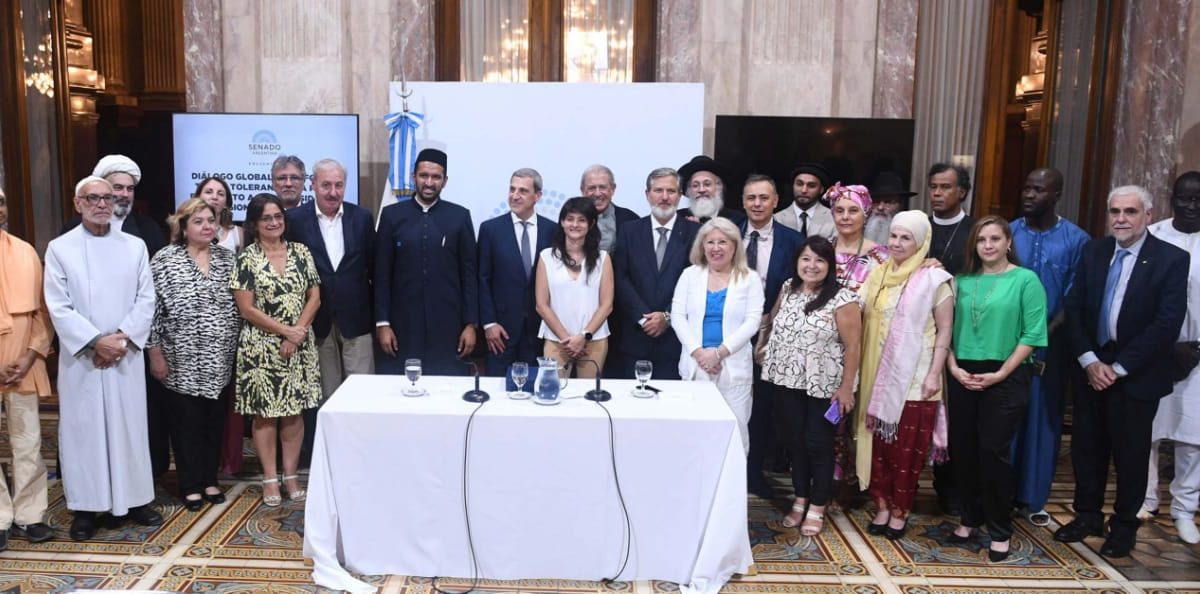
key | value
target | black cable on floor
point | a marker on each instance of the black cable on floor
(466, 512)
(628, 536)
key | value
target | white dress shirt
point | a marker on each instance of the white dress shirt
(654, 225)
(518, 228)
(766, 239)
(331, 232)
(1118, 298)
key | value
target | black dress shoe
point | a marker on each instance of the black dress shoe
(1118, 544)
(997, 556)
(145, 516)
(216, 499)
(192, 505)
(37, 532)
(83, 527)
(877, 529)
(896, 533)
(954, 538)
(1076, 530)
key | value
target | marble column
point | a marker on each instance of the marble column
(678, 41)
(895, 59)
(1189, 119)
(411, 38)
(203, 58)
(1150, 97)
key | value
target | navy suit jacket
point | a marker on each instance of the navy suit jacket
(426, 284)
(624, 215)
(1151, 315)
(785, 243)
(345, 292)
(505, 295)
(641, 287)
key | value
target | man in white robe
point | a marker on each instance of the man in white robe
(1178, 417)
(100, 296)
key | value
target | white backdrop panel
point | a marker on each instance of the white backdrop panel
(489, 130)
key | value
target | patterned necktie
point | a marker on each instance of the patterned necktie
(526, 261)
(1110, 290)
(660, 249)
(752, 251)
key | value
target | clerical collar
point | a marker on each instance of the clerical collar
(962, 214)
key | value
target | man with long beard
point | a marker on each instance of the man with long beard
(703, 183)
(890, 197)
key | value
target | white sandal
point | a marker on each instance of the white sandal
(798, 508)
(814, 528)
(271, 500)
(298, 494)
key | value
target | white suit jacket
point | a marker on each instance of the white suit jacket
(742, 316)
(820, 220)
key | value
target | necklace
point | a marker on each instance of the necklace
(848, 273)
(950, 240)
(978, 309)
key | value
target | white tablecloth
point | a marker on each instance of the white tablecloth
(385, 490)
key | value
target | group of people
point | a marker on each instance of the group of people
(852, 338)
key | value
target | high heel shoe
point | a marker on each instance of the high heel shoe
(954, 538)
(298, 494)
(271, 500)
(877, 529)
(997, 556)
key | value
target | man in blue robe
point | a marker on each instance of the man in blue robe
(1049, 245)
(426, 287)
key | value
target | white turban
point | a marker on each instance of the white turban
(91, 179)
(916, 222)
(111, 164)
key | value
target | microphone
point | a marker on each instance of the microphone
(597, 395)
(475, 395)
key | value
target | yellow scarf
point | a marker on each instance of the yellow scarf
(891, 274)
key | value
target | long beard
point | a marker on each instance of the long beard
(878, 227)
(121, 210)
(706, 208)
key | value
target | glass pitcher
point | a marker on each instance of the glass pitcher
(551, 380)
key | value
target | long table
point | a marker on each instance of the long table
(385, 493)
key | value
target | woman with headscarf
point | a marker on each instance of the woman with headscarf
(907, 327)
(856, 257)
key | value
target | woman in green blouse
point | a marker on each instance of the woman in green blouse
(999, 318)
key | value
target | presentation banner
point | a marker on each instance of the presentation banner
(489, 130)
(240, 147)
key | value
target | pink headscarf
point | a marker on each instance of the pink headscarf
(858, 194)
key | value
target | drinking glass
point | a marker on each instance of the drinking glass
(520, 374)
(412, 370)
(642, 370)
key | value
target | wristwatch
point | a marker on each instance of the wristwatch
(667, 317)
(587, 336)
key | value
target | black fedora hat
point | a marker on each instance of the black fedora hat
(888, 183)
(700, 163)
(814, 169)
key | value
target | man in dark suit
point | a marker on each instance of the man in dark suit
(702, 179)
(597, 183)
(1124, 312)
(508, 250)
(341, 238)
(650, 254)
(124, 175)
(770, 251)
(426, 297)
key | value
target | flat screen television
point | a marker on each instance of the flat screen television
(240, 147)
(854, 150)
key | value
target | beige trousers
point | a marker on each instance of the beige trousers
(596, 350)
(26, 502)
(338, 357)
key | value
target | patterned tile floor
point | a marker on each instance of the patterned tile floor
(242, 546)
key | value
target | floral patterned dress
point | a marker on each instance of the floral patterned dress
(269, 385)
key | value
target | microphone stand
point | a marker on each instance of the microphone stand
(597, 395)
(475, 395)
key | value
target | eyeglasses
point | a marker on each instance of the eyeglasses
(288, 178)
(272, 218)
(96, 198)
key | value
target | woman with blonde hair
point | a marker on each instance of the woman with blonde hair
(715, 312)
(907, 326)
(192, 345)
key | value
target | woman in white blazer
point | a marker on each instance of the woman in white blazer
(716, 310)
